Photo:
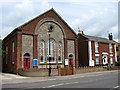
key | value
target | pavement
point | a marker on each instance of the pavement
(7, 76)
(105, 79)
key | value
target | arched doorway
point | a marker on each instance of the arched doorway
(26, 61)
(70, 60)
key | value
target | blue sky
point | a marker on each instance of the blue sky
(94, 18)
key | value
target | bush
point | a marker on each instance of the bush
(117, 63)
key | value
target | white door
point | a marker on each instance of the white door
(105, 59)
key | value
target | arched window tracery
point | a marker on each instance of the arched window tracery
(42, 51)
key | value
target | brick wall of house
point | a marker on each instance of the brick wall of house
(82, 51)
(103, 47)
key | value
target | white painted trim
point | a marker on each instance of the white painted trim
(115, 52)
(97, 55)
(105, 53)
(90, 52)
(111, 54)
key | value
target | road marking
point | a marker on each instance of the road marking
(116, 87)
(59, 84)
(54, 85)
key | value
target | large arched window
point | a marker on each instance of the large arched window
(60, 52)
(51, 55)
(42, 51)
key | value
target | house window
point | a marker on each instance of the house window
(96, 46)
(13, 47)
(60, 52)
(42, 51)
(6, 54)
(110, 48)
(97, 60)
(117, 49)
(51, 57)
(111, 60)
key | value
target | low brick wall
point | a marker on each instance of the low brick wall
(38, 72)
(90, 69)
(113, 68)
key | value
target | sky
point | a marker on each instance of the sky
(95, 18)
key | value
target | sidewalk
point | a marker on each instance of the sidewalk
(13, 78)
(6, 76)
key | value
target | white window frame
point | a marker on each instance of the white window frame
(42, 42)
(6, 54)
(111, 60)
(97, 62)
(13, 50)
(60, 54)
(96, 47)
(51, 50)
(110, 48)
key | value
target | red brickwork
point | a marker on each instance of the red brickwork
(29, 28)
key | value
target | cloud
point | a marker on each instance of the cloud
(16, 13)
(98, 22)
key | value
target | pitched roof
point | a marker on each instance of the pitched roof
(20, 27)
(45, 13)
(98, 39)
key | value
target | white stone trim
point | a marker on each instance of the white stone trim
(97, 55)
(115, 52)
(111, 54)
(105, 53)
(89, 52)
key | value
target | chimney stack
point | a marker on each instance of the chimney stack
(110, 36)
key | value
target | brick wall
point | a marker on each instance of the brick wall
(103, 47)
(29, 29)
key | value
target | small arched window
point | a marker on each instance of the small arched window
(51, 55)
(42, 51)
(59, 52)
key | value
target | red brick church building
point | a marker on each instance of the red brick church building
(32, 41)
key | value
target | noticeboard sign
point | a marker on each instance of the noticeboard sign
(66, 61)
(35, 62)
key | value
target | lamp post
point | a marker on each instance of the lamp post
(49, 31)
(49, 57)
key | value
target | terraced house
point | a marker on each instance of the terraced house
(94, 50)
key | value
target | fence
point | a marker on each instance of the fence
(90, 69)
(60, 71)
(38, 72)
(66, 71)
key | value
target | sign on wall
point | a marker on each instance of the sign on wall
(35, 62)
(66, 61)
(91, 63)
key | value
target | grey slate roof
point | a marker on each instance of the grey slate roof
(98, 39)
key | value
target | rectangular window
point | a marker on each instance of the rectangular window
(96, 46)
(110, 48)
(6, 54)
(117, 49)
(111, 60)
(97, 60)
(13, 47)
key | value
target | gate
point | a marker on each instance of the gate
(66, 71)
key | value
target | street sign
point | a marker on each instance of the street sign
(35, 62)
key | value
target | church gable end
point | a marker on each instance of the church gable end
(29, 27)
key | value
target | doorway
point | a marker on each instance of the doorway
(70, 60)
(26, 61)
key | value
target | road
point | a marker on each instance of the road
(106, 79)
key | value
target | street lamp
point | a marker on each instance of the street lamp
(50, 29)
